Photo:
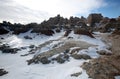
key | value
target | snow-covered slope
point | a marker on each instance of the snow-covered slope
(18, 68)
(20, 41)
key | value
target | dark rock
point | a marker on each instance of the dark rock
(76, 74)
(109, 26)
(18, 31)
(44, 60)
(83, 32)
(23, 47)
(81, 56)
(66, 57)
(61, 58)
(3, 30)
(58, 30)
(30, 61)
(4, 46)
(82, 24)
(27, 37)
(75, 50)
(3, 72)
(104, 20)
(31, 46)
(116, 32)
(66, 51)
(10, 50)
(36, 60)
(47, 32)
(70, 38)
(104, 52)
(6, 49)
(19, 28)
(2, 38)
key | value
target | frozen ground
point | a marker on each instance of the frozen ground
(18, 68)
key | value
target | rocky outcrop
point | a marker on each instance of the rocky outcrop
(105, 67)
(94, 18)
(3, 30)
(83, 32)
(21, 29)
(104, 20)
(109, 25)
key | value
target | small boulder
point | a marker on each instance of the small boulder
(61, 58)
(27, 37)
(81, 56)
(69, 37)
(57, 30)
(44, 60)
(76, 74)
(10, 50)
(31, 46)
(3, 72)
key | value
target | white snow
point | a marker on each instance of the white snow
(117, 77)
(91, 51)
(19, 41)
(18, 68)
(95, 41)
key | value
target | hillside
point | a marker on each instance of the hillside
(61, 48)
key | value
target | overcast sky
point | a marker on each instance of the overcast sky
(26, 11)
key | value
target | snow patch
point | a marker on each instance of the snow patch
(117, 77)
